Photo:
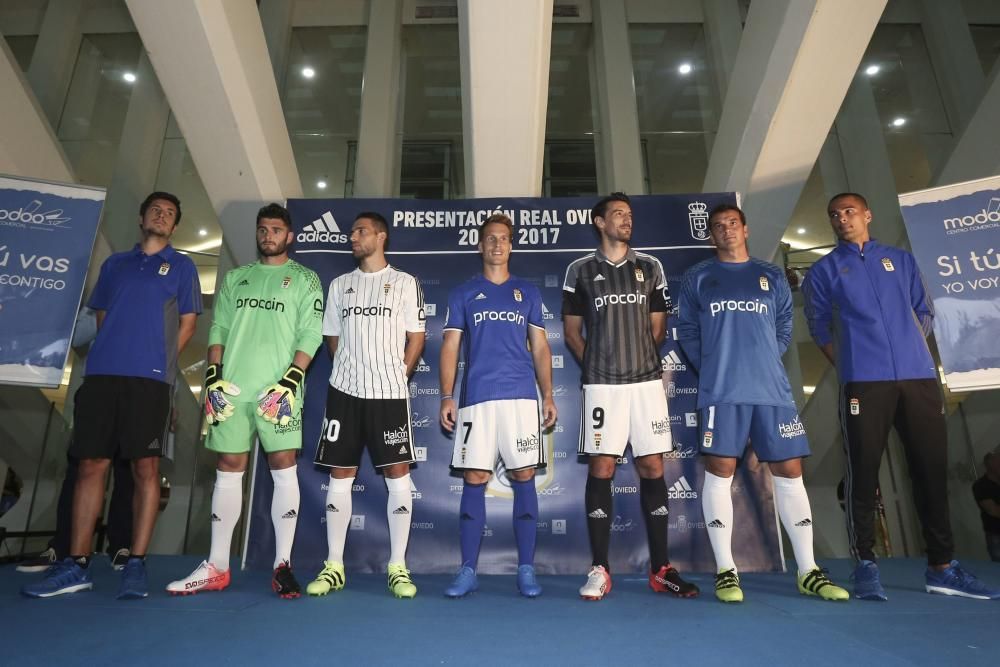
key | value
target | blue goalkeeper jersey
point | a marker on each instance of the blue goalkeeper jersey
(735, 322)
(494, 321)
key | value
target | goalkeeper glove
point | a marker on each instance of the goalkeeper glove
(276, 402)
(217, 407)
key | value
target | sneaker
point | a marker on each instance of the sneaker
(330, 578)
(283, 582)
(727, 586)
(134, 583)
(668, 580)
(399, 581)
(526, 582)
(815, 582)
(206, 577)
(119, 559)
(598, 584)
(465, 582)
(954, 580)
(39, 563)
(64, 576)
(866, 582)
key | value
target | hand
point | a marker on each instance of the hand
(217, 407)
(549, 412)
(276, 402)
(448, 414)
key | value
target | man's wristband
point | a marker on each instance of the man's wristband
(444, 396)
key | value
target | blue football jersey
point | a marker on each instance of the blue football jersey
(735, 322)
(494, 321)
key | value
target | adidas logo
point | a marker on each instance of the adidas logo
(155, 444)
(216, 517)
(660, 511)
(598, 514)
(716, 524)
(599, 276)
(290, 514)
(331, 508)
(323, 229)
(243, 283)
(402, 450)
(672, 362)
(681, 490)
(401, 510)
(349, 290)
(805, 522)
(480, 297)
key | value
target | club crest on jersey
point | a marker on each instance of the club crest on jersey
(638, 275)
(386, 288)
(517, 295)
(706, 440)
(855, 407)
(286, 282)
(164, 269)
(597, 440)
(763, 283)
(887, 264)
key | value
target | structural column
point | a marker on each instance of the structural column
(55, 55)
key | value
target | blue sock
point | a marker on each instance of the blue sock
(525, 520)
(471, 521)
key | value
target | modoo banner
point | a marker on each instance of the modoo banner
(436, 241)
(47, 233)
(955, 235)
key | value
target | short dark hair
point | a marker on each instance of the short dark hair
(860, 198)
(380, 224)
(274, 212)
(722, 208)
(601, 207)
(497, 218)
(166, 196)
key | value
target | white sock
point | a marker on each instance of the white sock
(227, 503)
(338, 517)
(717, 505)
(793, 507)
(284, 512)
(399, 510)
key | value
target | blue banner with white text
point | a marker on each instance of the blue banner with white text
(436, 241)
(955, 235)
(47, 233)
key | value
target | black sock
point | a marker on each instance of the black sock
(82, 561)
(653, 497)
(599, 505)
(141, 557)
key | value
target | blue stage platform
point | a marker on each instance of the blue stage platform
(365, 625)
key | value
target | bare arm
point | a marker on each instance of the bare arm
(187, 326)
(449, 369)
(990, 506)
(331, 344)
(542, 357)
(827, 350)
(215, 354)
(99, 316)
(573, 330)
(658, 327)
(411, 353)
(301, 359)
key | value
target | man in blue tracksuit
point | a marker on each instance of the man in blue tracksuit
(869, 313)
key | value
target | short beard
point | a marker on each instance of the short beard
(278, 250)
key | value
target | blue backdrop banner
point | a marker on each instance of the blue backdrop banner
(47, 233)
(955, 235)
(436, 241)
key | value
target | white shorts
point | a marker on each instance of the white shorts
(510, 429)
(615, 415)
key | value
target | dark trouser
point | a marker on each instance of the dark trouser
(868, 410)
(993, 546)
(119, 514)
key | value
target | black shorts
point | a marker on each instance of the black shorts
(117, 415)
(383, 424)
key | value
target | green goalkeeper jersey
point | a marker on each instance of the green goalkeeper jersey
(263, 314)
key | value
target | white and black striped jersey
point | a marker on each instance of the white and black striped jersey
(615, 301)
(370, 313)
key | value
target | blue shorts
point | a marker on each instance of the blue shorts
(776, 433)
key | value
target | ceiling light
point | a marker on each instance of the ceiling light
(898, 121)
(685, 68)
(129, 77)
(321, 185)
(801, 230)
(308, 72)
(202, 232)
(872, 70)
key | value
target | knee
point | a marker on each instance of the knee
(602, 467)
(650, 467)
(525, 475)
(476, 476)
(89, 468)
(146, 470)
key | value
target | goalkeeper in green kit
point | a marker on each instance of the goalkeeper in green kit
(266, 328)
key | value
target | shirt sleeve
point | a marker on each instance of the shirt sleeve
(309, 329)
(818, 305)
(783, 316)
(455, 317)
(331, 314)
(535, 316)
(572, 297)
(416, 319)
(659, 301)
(222, 315)
(923, 308)
(100, 299)
(689, 320)
(189, 290)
